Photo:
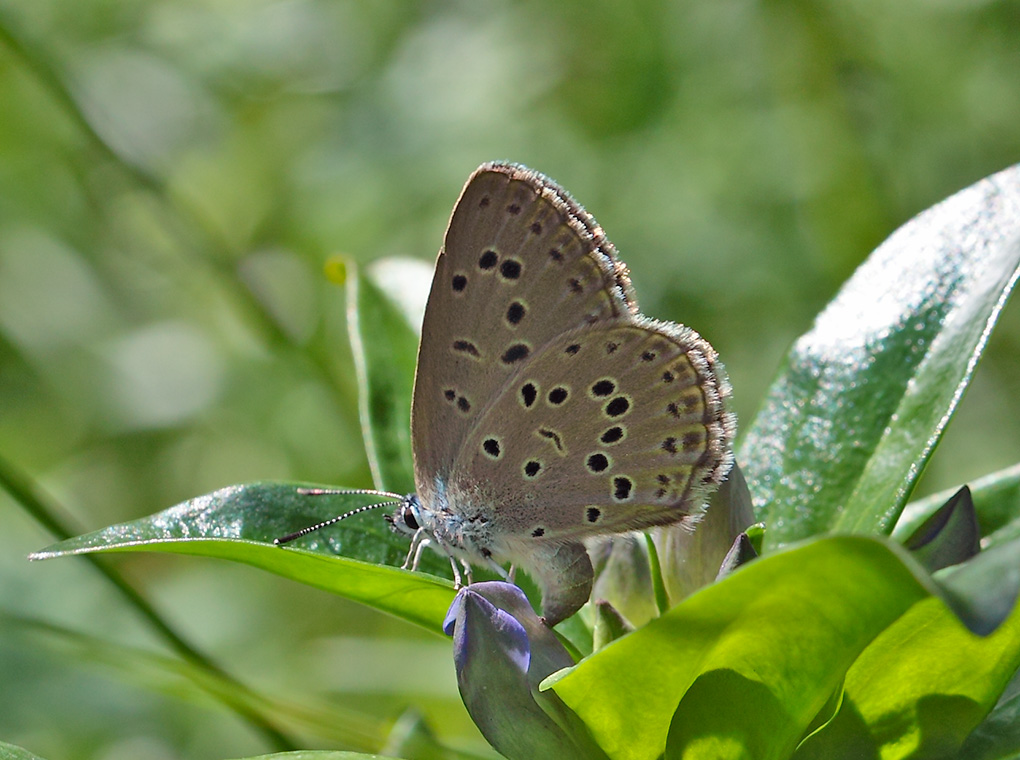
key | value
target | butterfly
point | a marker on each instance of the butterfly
(547, 410)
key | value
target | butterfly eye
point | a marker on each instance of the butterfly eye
(408, 517)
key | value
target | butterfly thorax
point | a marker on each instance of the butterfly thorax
(453, 522)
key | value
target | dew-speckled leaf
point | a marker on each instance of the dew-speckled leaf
(385, 345)
(240, 523)
(864, 396)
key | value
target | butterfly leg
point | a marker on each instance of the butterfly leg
(419, 541)
(501, 571)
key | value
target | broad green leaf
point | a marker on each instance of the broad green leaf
(385, 347)
(864, 396)
(773, 639)
(922, 686)
(996, 501)
(240, 522)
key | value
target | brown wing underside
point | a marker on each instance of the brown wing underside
(610, 428)
(521, 264)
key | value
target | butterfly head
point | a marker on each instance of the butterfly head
(406, 518)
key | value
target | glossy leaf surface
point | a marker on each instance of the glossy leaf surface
(865, 395)
(240, 522)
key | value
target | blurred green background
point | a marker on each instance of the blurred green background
(174, 174)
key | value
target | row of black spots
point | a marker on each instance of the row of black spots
(509, 269)
(692, 440)
(664, 482)
(461, 402)
(680, 371)
(689, 402)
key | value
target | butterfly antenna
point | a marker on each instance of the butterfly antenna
(333, 520)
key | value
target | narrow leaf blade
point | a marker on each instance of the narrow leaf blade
(353, 559)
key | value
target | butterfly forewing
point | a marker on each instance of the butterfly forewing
(521, 264)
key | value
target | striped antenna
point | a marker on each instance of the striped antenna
(333, 520)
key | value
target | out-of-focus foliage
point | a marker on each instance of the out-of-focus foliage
(174, 174)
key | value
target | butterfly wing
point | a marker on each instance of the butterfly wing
(521, 264)
(546, 409)
(610, 427)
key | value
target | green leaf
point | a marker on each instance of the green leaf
(749, 660)
(919, 689)
(865, 395)
(240, 522)
(11, 752)
(385, 348)
(998, 735)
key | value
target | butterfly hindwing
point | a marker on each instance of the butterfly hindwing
(609, 428)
